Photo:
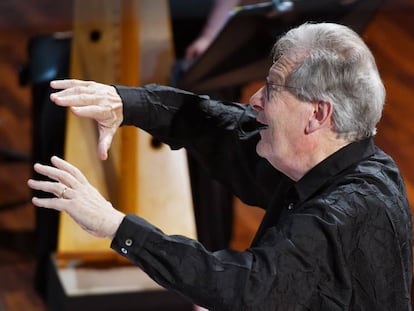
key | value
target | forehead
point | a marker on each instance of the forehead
(280, 70)
(283, 66)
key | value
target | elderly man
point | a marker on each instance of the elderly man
(337, 230)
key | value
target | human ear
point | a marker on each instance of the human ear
(320, 116)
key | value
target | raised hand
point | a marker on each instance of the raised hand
(77, 197)
(93, 100)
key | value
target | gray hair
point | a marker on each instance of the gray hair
(335, 65)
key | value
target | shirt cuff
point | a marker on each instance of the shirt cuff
(131, 236)
(134, 104)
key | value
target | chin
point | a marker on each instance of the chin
(260, 149)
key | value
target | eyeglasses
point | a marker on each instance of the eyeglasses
(270, 86)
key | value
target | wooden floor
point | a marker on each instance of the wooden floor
(390, 35)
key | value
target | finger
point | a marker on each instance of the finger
(76, 89)
(105, 141)
(57, 189)
(102, 153)
(46, 186)
(72, 170)
(76, 97)
(56, 174)
(52, 203)
(68, 83)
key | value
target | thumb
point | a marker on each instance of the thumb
(105, 142)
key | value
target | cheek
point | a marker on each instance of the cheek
(270, 142)
(272, 115)
(281, 133)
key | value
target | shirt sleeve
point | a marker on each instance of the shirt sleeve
(283, 270)
(221, 136)
(180, 118)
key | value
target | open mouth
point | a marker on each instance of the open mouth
(262, 126)
(253, 127)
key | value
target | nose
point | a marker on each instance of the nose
(257, 100)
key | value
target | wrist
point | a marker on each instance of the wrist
(114, 223)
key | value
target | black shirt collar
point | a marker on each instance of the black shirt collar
(332, 166)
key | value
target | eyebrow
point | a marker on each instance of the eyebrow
(271, 83)
(279, 79)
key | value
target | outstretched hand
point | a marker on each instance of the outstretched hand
(77, 197)
(93, 100)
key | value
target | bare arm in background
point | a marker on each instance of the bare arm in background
(216, 19)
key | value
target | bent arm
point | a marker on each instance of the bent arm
(222, 136)
(180, 118)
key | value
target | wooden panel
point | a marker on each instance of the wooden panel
(390, 35)
(149, 179)
(94, 56)
(165, 193)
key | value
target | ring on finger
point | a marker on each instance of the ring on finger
(62, 195)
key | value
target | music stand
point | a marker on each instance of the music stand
(240, 52)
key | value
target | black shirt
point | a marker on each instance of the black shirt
(338, 239)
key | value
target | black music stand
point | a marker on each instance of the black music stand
(240, 52)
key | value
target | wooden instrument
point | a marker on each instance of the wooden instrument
(125, 42)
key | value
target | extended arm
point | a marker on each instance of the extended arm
(278, 269)
(221, 135)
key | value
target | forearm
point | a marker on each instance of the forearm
(183, 264)
(276, 270)
(222, 136)
(179, 117)
(218, 17)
